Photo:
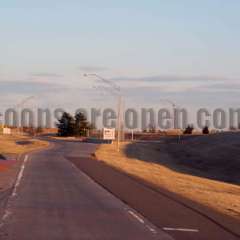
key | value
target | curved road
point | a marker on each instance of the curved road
(54, 200)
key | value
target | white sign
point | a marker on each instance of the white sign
(109, 133)
(6, 130)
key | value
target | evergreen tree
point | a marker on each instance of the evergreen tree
(205, 130)
(81, 125)
(66, 125)
(188, 130)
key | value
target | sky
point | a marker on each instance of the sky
(184, 51)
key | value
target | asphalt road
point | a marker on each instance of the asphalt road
(182, 218)
(52, 199)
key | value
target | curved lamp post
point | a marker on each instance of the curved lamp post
(115, 90)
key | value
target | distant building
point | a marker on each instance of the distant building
(7, 131)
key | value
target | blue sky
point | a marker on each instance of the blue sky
(187, 51)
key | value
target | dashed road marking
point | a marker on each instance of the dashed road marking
(141, 220)
(136, 216)
(151, 229)
(180, 229)
(131, 212)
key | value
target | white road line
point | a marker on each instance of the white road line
(132, 213)
(19, 178)
(6, 215)
(151, 229)
(136, 216)
(180, 229)
(7, 212)
(147, 225)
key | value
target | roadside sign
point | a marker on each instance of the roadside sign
(108, 133)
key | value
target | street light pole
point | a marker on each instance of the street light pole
(174, 106)
(119, 121)
(115, 90)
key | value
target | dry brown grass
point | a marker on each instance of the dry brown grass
(9, 145)
(220, 196)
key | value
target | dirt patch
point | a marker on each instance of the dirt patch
(23, 142)
(14, 144)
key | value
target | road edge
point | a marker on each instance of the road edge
(101, 164)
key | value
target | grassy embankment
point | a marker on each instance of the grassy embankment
(194, 169)
(10, 148)
(10, 144)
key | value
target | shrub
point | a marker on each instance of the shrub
(189, 129)
(205, 130)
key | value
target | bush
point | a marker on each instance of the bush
(205, 130)
(189, 129)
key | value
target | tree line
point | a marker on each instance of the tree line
(76, 125)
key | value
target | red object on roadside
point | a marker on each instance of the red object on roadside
(6, 164)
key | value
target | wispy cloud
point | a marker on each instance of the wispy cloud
(10, 87)
(170, 78)
(221, 87)
(92, 69)
(47, 75)
(207, 97)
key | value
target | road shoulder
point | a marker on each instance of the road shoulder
(163, 208)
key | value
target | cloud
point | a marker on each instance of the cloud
(92, 69)
(219, 87)
(47, 75)
(197, 97)
(170, 78)
(13, 87)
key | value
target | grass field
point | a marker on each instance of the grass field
(10, 144)
(157, 165)
(10, 148)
